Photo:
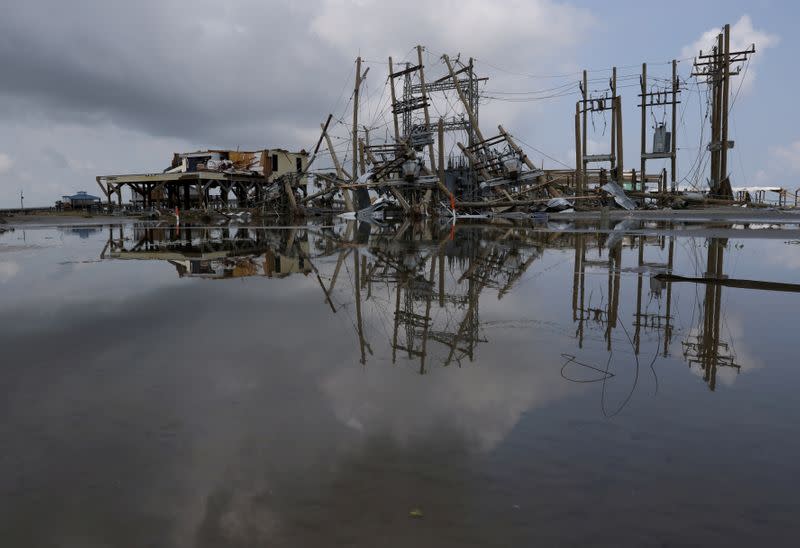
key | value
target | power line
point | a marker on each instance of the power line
(572, 74)
(542, 153)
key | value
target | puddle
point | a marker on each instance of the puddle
(314, 385)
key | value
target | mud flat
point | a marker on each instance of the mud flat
(61, 219)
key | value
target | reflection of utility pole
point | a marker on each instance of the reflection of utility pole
(668, 330)
(416, 326)
(614, 278)
(578, 286)
(648, 319)
(637, 335)
(607, 317)
(357, 287)
(706, 349)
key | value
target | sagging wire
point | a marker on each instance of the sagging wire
(570, 359)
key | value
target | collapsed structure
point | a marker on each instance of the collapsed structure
(206, 178)
(411, 170)
(494, 176)
(407, 172)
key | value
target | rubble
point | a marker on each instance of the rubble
(407, 173)
(619, 195)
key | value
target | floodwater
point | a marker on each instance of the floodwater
(398, 386)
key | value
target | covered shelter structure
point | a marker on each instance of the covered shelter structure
(80, 200)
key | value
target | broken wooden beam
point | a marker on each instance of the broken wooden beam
(732, 282)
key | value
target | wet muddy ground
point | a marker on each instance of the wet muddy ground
(414, 385)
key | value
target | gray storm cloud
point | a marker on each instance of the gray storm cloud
(118, 85)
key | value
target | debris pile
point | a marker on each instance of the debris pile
(444, 165)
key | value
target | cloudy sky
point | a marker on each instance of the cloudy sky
(95, 87)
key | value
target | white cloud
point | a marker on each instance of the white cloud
(596, 146)
(761, 178)
(6, 163)
(786, 257)
(743, 35)
(487, 405)
(784, 159)
(486, 27)
(788, 155)
(734, 334)
(81, 165)
(8, 269)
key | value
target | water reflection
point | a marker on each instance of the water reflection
(213, 253)
(706, 348)
(356, 372)
(83, 232)
(424, 282)
(421, 266)
(702, 348)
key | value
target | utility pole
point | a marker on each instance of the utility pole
(474, 130)
(578, 152)
(425, 107)
(359, 78)
(473, 103)
(340, 172)
(585, 96)
(673, 164)
(469, 87)
(409, 101)
(586, 105)
(614, 159)
(616, 121)
(643, 164)
(665, 142)
(715, 67)
(394, 101)
(21, 199)
(468, 101)
(407, 97)
(355, 118)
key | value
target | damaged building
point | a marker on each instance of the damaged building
(209, 178)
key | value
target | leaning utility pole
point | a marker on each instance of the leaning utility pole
(715, 67)
(425, 110)
(409, 102)
(359, 78)
(467, 102)
(340, 172)
(394, 101)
